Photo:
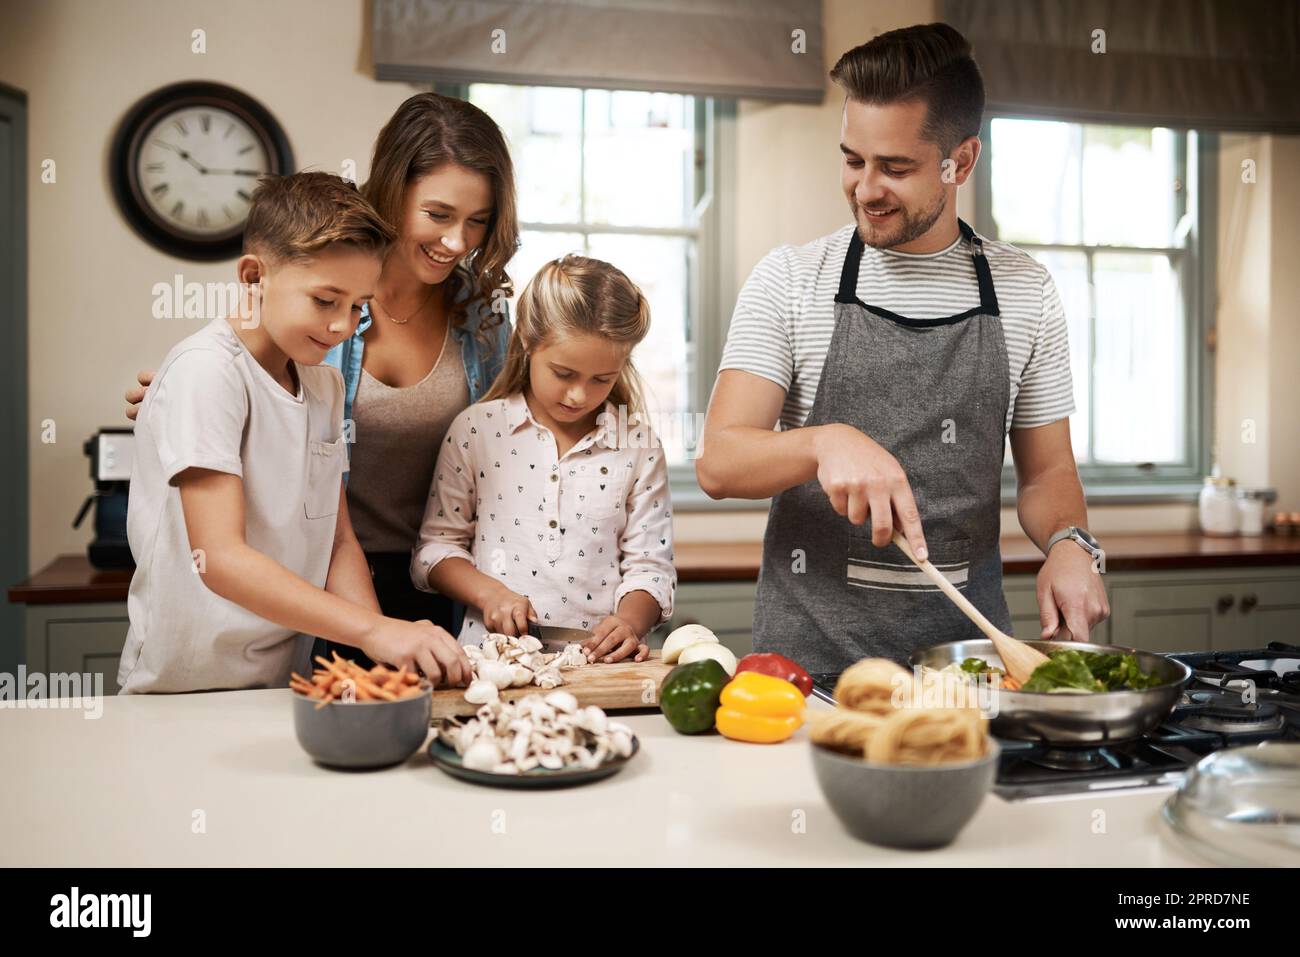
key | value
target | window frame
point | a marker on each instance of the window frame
(1148, 482)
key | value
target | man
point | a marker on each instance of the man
(896, 354)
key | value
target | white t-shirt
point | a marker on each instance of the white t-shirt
(212, 406)
(785, 314)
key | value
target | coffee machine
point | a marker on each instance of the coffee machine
(111, 452)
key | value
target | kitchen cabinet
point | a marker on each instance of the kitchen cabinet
(77, 639)
(1209, 611)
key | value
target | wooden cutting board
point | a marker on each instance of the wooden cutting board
(624, 684)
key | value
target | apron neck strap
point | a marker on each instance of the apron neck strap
(988, 298)
(848, 291)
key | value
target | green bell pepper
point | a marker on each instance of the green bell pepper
(690, 694)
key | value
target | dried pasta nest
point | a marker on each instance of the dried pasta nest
(874, 719)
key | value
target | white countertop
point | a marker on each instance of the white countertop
(127, 789)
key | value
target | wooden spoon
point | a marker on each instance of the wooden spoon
(1017, 657)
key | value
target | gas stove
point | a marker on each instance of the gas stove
(1233, 698)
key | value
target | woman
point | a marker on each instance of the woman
(441, 174)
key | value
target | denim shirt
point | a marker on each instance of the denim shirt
(482, 363)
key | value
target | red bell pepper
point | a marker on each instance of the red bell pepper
(778, 666)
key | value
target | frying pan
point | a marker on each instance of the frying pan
(1072, 720)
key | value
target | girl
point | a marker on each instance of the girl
(550, 500)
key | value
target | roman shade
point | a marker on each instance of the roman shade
(1202, 64)
(765, 49)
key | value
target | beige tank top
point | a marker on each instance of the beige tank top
(398, 435)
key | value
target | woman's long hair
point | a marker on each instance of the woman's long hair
(429, 131)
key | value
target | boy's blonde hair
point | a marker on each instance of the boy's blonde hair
(293, 217)
(570, 296)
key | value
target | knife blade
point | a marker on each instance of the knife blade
(554, 638)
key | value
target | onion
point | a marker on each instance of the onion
(703, 650)
(682, 638)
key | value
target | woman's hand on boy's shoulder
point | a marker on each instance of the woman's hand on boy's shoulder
(135, 395)
(614, 639)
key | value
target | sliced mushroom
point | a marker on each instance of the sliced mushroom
(481, 691)
(562, 701)
(497, 672)
(481, 756)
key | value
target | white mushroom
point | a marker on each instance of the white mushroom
(497, 672)
(550, 678)
(571, 657)
(591, 719)
(481, 691)
(481, 756)
(562, 701)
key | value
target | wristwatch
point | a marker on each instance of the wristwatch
(1080, 535)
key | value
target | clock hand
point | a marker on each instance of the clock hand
(184, 155)
(236, 172)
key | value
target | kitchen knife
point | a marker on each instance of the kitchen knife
(554, 638)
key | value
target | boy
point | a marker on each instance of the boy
(237, 518)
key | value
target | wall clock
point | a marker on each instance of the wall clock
(184, 163)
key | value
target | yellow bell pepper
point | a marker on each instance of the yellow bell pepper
(759, 708)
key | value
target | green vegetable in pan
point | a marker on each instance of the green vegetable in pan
(1089, 671)
(1066, 671)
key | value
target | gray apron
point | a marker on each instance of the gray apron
(934, 393)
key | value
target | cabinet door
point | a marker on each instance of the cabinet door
(726, 608)
(1022, 602)
(1267, 611)
(77, 639)
(1167, 618)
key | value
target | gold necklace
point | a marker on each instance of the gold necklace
(418, 309)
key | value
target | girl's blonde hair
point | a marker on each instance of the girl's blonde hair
(571, 296)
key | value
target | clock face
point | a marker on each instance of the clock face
(196, 169)
(185, 161)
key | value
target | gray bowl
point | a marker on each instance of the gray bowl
(897, 805)
(362, 734)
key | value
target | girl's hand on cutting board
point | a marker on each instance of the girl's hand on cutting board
(613, 639)
(1071, 596)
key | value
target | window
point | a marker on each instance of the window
(625, 177)
(1115, 213)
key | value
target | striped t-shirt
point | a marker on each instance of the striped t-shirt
(781, 328)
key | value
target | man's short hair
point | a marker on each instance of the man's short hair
(930, 62)
(293, 217)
